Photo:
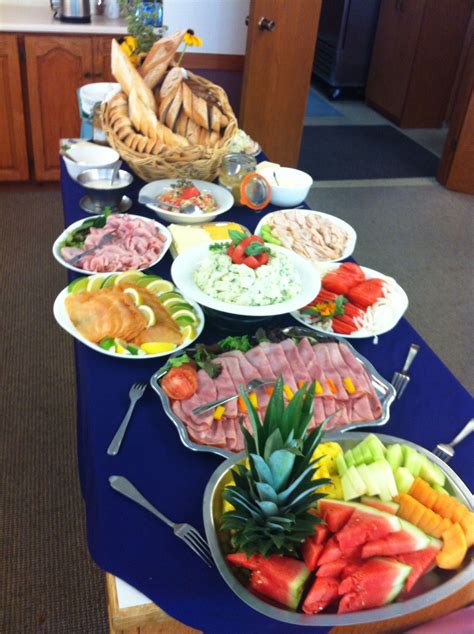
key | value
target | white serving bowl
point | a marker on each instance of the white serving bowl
(90, 94)
(89, 156)
(222, 196)
(294, 185)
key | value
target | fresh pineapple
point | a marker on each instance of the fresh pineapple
(272, 496)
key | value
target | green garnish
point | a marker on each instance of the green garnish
(236, 236)
(236, 343)
(203, 359)
(255, 248)
(326, 309)
(219, 246)
(77, 237)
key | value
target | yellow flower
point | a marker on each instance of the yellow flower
(190, 39)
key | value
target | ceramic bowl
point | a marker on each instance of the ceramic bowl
(89, 156)
(293, 186)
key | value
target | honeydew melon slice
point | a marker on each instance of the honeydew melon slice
(404, 479)
(370, 484)
(394, 456)
(341, 464)
(431, 472)
(412, 460)
(352, 484)
(349, 458)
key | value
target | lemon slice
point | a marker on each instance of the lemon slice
(160, 287)
(172, 301)
(78, 285)
(121, 347)
(149, 313)
(128, 277)
(147, 279)
(109, 281)
(94, 283)
(134, 294)
(184, 312)
(157, 347)
(188, 332)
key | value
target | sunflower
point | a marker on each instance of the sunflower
(189, 39)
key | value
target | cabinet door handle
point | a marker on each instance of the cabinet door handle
(88, 75)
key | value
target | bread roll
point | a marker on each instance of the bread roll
(126, 74)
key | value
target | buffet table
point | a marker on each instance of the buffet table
(129, 542)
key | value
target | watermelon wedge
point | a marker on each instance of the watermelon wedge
(408, 540)
(376, 503)
(335, 513)
(420, 561)
(364, 526)
(332, 569)
(279, 578)
(377, 582)
(331, 552)
(322, 593)
(311, 552)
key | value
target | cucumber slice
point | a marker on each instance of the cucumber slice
(431, 472)
(394, 456)
(341, 464)
(412, 460)
(404, 479)
(370, 484)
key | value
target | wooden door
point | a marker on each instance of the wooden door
(56, 67)
(13, 149)
(394, 50)
(277, 75)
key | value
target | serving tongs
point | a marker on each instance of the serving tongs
(189, 210)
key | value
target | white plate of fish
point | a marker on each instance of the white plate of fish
(128, 315)
(122, 242)
(354, 302)
(316, 236)
(207, 274)
(346, 385)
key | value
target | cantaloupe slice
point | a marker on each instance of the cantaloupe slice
(420, 515)
(467, 524)
(454, 548)
(422, 492)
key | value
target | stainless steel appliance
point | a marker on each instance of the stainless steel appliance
(72, 10)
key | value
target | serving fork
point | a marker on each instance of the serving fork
(136, 392)
(401, 379)
(107, 238)
(186, 532)
(252, 385)
(446, 451)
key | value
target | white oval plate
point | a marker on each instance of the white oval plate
(401, 306)
(222, 196)
(185, 264)
(76, 225)
(62, 317)
(352, 235)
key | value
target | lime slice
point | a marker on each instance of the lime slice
(181, 306)
(95, 282)
(129, 277)
(164, 297)
(134, 294)
(107, 344)
(135, 350)
(78, 285)
(157, 347)
(109, 281)
(189, 332)
(171, 302)
(184, 312)
(160, 287)
(149, 313)
(121, 346)
(146, 279)
(185, 320)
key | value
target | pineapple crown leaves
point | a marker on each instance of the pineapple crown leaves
(272, 496)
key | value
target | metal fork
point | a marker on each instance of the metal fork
(136, 392)
(401, 379)
(252, 385)
(107, 238)
(446, 451)
(186, 532)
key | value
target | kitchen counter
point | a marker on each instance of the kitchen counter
(225, 33)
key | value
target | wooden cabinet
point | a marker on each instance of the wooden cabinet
(416, 52)
(101, 46)
(13, 148)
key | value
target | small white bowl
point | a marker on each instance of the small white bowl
(294, 185)
(89, 156)
(222, 196)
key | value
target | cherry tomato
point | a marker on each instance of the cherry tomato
(238, 254)
(262, 258)
(190, 192)
(180, 383)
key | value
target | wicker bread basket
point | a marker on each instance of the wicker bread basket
(196, 161)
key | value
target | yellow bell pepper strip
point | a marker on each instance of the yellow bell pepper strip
(318, 388)
(332, 386)
(219, 412)
(349, 385)
(253, 399)
(288, 392)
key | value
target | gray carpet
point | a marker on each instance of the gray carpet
(48, 582)
(423, 236)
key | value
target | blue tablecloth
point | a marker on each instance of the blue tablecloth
(129, 542)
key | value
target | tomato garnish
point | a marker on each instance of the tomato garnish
(180, 383)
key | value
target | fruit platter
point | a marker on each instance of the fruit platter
(347, 387)
(244, 276)
(128, 315)
(317, 528)
(131, 243)
(354, 302)
(314, 235)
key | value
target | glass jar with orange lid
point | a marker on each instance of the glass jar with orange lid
(237, 174)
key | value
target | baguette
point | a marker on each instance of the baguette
(159, 58)
(203, 137)
(187, 100)
(182, 123)
(192, 132)
(128, 77)
(142, 117)
(215, 116)
(214, 137)
(200, 114)
(175, 108)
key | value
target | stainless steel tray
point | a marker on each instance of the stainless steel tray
(433, 587)
(385, 391)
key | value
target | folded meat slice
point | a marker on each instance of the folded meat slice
(250, 373)
(300, 372)
(279, 364)
(361, 380)
(335, 374)
(107, 312)
(306, 352)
